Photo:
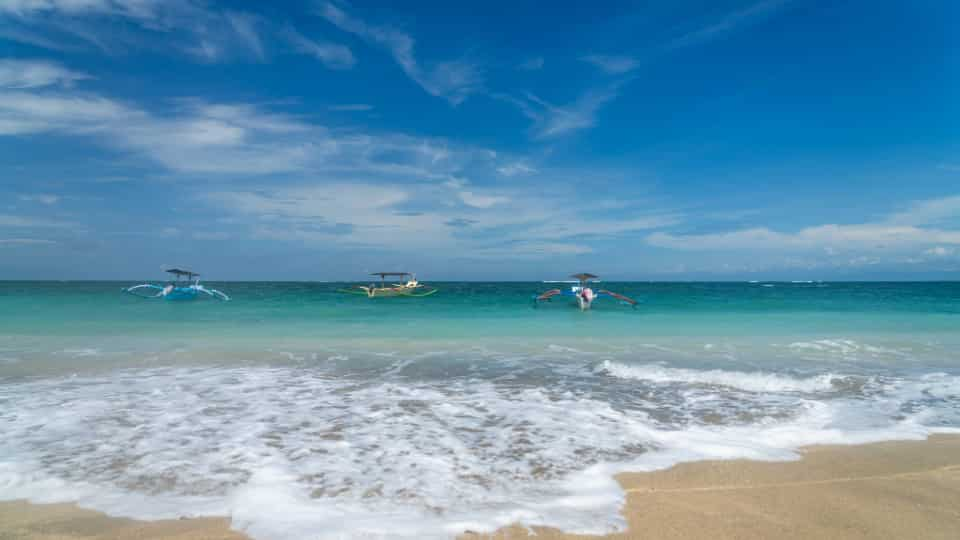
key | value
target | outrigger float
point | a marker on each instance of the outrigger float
(409, 287)
(583, 293)
(185, 285)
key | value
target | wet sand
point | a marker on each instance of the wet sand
(884, 490)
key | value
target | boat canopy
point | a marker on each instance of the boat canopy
(182, 273)
(584, 276)
(387, 274)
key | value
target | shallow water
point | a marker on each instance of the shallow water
(301, 412)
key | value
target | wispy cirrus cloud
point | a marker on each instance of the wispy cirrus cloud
(517, 168)
(208, 138)
(31, 222)
(245, 26)
(32, 73)
(42, 198)
(612, 64)
(137, 9)
(728, 23)
(452, 220)
(332, 55)
(453, 80)
(196, 28)
(15, 242)
(477, 200)
(197, 136)
(552, 121)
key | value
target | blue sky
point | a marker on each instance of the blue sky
(498, 140)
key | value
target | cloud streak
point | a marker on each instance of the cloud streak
(331, 55)
(728, 23)
(199, 137)
(453, 80)
(613, 65)
(23, 74)
(199, 30)
(553, 121)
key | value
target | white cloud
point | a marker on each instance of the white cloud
(42, 198)
(245, 27)
(241, 139)
(516, 169)
(139, 9)
(354, 214)
(561, 226)
(552, 121)
(923, 225)
(12, 242)
(432, 218)
(197, 28)
(23, 113)
(452, 80)
(929, 212)
(332, 55)
(940, 251)
(19, 74)
(209, 138)
(614, 65)
(10, 220)
(728, 23)
(481, 201)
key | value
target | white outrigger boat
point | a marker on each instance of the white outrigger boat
(584, 294)
(409, 286)
(185, 285)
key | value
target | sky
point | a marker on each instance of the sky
(322, 140)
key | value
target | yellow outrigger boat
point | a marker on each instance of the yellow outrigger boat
(409, 287)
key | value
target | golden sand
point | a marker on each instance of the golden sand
(886, 490)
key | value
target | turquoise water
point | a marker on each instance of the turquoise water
(472, 310)
(303, 412)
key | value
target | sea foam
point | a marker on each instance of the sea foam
(422, 447)
(750, 382)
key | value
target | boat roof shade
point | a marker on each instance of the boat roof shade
(384, 274)
(584, 276)
(179, 272)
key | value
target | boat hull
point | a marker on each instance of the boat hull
(179, 294)
(391, 292)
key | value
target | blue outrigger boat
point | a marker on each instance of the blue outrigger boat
(185, 285)
(583, 293)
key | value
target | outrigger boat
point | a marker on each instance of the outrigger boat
(409, 287)
(583, 293)
(185, 285)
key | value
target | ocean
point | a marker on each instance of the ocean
(301, 412)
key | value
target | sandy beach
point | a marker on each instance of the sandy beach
(883, 490)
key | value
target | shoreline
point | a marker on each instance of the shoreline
(896, 489)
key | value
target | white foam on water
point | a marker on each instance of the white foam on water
(845, 348)
(751, 382)
(81, 353)
(296, 452)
